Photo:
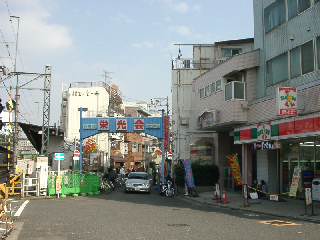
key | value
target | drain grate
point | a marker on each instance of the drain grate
(178, 225)
(279, 223)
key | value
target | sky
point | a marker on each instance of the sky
(133, 39)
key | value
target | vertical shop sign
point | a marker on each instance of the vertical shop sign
(188, 174)
(295, 182)
(166, 132)
(287, 101)
(235, 168)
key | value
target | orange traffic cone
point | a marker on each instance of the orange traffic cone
(225, 199)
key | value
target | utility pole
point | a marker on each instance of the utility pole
(17, 96)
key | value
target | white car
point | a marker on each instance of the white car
(138, 182)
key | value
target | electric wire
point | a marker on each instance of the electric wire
(13, 32)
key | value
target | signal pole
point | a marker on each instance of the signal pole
(17, 96)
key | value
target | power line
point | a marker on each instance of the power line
(13, 31)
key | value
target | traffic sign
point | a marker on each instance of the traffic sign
(59, 156)
(76, 153)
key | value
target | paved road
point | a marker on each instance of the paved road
(146, 216)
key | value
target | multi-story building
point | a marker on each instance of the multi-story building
(95, 97)
(184, 71)
(264, 104)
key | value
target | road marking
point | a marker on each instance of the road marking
(279, 223)
(18, 213)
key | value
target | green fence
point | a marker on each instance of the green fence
(75, 183)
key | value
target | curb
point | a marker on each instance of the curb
(250, 210)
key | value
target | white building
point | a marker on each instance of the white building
(91, 95)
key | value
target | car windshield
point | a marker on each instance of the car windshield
(138, 176)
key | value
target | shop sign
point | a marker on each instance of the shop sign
(295, 182)
(287, 101)
(58, 184)
(89, 126)
(308, 196)
(153, 125)
(122, 124)
(104, 124)
(235, 168)
(138, 125)
(274, 197)
(266, 145)
(263, 132)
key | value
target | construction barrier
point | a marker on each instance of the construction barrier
(75, 183)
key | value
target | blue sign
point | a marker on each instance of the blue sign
(59, 156)
(152, 126)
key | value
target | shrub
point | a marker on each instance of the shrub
(204, 174)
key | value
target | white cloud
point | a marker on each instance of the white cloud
(37, 35)
(183, 30)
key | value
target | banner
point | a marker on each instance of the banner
(188, 174)
(295, 182)
(235, 168)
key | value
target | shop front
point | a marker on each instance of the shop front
(293, 142)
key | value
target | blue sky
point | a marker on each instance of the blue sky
(131, 38)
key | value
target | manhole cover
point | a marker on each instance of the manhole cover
(178, 225)
(279, 223)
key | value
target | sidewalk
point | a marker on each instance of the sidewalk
(290, 208)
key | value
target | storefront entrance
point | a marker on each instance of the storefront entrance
(303, 152)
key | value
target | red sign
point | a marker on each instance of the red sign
(245, 134)
(76, 153)
(166, 132)
(303, 126)
(104, 125)
(138, 125)
(122, 124)
(286, 128)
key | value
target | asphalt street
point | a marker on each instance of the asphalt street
(148, 216)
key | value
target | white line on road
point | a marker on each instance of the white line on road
(18, 213)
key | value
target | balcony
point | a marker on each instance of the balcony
(235, 90)
(189, 63)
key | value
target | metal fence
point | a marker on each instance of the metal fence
(75, 183)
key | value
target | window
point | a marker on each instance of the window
(228, 91)
(295, 64)
(202, 93)
(292, 8)
(218, 86)
(318, 50)
(303, 5)
(229, 52)
(207, 91)
(274, 15)
(234, 90)
(277, 69)
(213, 88)
(307, 57)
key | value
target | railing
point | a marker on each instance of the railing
(189, 63)
(235, 90)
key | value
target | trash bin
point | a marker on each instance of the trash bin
(316, 189)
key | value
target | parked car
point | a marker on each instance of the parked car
(138, 182)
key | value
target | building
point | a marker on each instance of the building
(264, 104)
(189, 141)
(288, 36)
(95, 97)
